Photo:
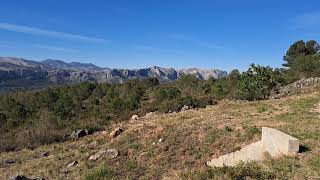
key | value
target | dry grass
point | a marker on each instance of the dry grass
(189, 139)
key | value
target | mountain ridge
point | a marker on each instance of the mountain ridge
(16, 70)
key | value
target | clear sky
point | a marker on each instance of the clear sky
(223, 34)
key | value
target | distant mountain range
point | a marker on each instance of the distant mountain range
(22, 73)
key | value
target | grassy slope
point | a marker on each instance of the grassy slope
(189, 139)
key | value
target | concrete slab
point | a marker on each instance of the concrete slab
(274, 142)
(277, 143)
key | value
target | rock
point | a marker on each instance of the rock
(21, 177)
(135, 117)
(185, 108)
(73, 163)
(116, 132)
(97, 155)
(300, 85)
(45, 154)
(143, 153)
(160, 140)
(110, 154)
(79, 133)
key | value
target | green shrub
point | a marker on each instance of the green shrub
(167, 93)
(258, 81)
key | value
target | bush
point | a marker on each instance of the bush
(257, 82)
(167, 93)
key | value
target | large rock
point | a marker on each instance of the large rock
(110, 154)
(273, 142)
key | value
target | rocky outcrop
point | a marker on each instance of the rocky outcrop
(281, 91)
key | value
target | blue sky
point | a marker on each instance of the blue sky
(171, 33)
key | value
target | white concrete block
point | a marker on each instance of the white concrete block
(277, 143)
(274, 142)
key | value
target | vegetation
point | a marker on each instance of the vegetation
(30, 119)
(189, 139)
(100, 174)
(302, 60)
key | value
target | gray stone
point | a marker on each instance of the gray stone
(73, 163)
(110, 154)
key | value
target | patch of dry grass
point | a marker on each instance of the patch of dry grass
(189, 139)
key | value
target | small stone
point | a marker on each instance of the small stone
(135, 117)
(116, 132)
(143, 153)
(153, 143)
(73, 163)
(97, 155)
(45, 154)
(160, 140)
(185, 108)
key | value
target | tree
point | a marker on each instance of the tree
(64, 105)
(304, 67)
(300, 48)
